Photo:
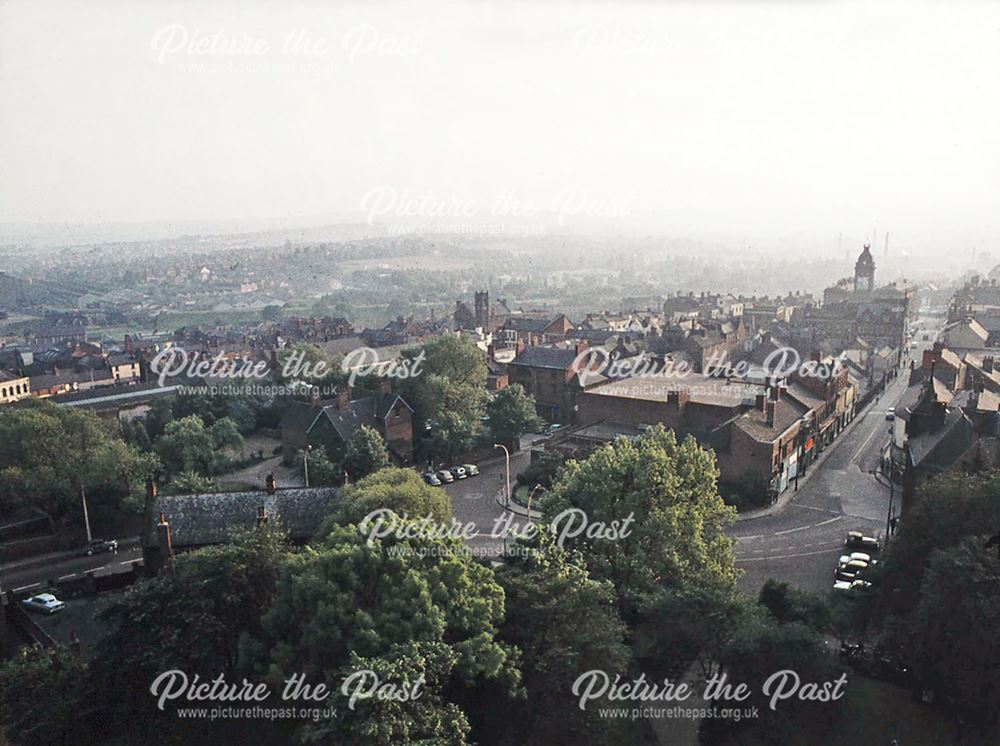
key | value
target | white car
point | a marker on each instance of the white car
(45, 603)
(855, 556)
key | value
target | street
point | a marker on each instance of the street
(801, 543)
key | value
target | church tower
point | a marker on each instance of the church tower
(864, 271)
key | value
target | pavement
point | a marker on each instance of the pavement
(799, 540)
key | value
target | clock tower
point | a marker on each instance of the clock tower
(864, 271)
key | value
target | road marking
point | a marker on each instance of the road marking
(783, 556)
(130, 562)
(864, 445)
(791, 530)
(26, 587)
(63, 577)
(832, 520)
(821, 510)
(747, 538)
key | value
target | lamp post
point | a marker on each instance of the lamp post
(507, 455)
(86, 515)
(305, 462)
(531, 495)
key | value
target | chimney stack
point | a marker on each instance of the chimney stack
(261, 515)
(761, 399)
(270, 484)
(770, 413)
(385, 386)
(988, 363)
(164, 540)
(491, 352)
(344, 397)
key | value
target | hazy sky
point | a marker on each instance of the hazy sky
(742, 117)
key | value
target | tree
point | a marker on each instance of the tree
(676, 537)
(448, 394)
(564, 623)
(365, 453)
(399, 490)
(759, 648)
(50, 456)
(203, 617)
(272, 313)
(511, 414)
(787, 604)
(322, 471)
(943, 513)
(953, 636)
(543, 469)
(188, 446)
(39, 695)
(407, 607)
(192, 483)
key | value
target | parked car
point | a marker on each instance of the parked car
(852, 587)
(46, 603)
(471, 469)
(432, 479)
(890, 415)
(445, 476)
(553, 429)
(851, 570)
(859, 556)
(100, 545)
(857, 540)
(458, 472)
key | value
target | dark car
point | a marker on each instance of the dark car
(857, 540)
(100, 545)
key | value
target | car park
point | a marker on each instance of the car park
(432, 479)
(471, 469)
(458, 472)
(100, 545)
(445, 476)
(45, 603)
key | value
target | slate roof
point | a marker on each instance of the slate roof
(939, 449)
(522, 324)
(754, 422)
(199, 520)
(553, 358)
(365, 410)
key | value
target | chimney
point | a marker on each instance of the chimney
(314, 397)
(270, 484)
(581, 345)
(988, 363)
(491, 352)
(770, 413)
(761, 399)
(520, 345)
(164, 541)
(385, 386)
(261, 515)
(344, 397)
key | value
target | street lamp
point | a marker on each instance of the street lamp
(531, 495)
(305, 462)
(507, 455)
